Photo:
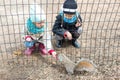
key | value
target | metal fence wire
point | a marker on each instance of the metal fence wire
(100, 40)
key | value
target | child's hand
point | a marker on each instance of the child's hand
(68, 35)
(78, 24)
(53, 53)
(28, 38)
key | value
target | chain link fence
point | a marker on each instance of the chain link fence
(100, 41)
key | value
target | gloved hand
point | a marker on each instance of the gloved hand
(53, 53)
(78, 24)
(29, 42)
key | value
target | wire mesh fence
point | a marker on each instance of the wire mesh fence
(100, 40)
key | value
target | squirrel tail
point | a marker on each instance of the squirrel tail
(85, 65)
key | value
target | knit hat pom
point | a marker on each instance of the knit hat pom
(70, 7)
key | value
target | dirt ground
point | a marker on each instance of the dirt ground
(100, 41)
(36, 67)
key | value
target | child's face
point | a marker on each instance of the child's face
(69, 16)
(39, 24)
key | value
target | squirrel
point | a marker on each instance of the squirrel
(81, 65)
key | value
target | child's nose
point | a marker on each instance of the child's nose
(42, 24)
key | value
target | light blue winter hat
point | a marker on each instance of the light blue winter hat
(36, 13)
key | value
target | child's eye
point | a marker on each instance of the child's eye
(68, 16)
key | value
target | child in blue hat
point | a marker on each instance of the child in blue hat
(68, 24)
